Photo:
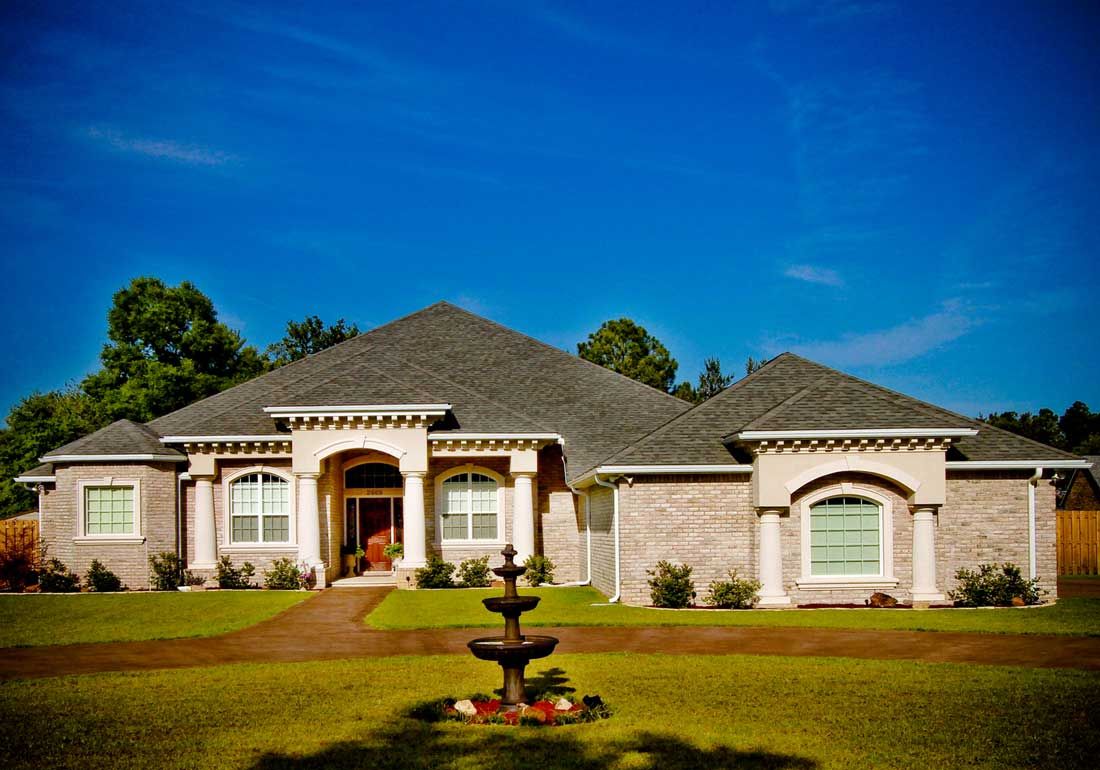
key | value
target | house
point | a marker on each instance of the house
(454, 435)
(1081, 490)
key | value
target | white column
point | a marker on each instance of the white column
(415, 535)
(771, 561)
(924, 556)
(206, 534)
(523, 516)
(309, 526)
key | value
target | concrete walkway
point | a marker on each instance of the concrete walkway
(329, 626)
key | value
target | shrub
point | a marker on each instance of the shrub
(394, 551)
(100, 579)
(735, 593)
(994, 585)
(166, 570)
(55, 578)
(670, 585)
(17, 569)
(284, 575)
(539, 570)
(474, 573)
(191, 579)
(231, 577)
(436, 574)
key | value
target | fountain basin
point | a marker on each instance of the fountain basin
(511, 604)
(504, 651)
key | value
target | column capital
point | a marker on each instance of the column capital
(772, 510)
(203, 479)
(414, 474)
(307, 476)
(523, 474)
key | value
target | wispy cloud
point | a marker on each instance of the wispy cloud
(897, 344)
(813, 274)
(162, 149)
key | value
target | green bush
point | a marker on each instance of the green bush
(539, 570)
(284, 575)
(167, 571)
(231, 577)
(994, 585)
(670, 585)
(474, 573)
(436, 574)
(394, 551)
(735, 593)
(55, 578)
(191, 579)
(100, 579)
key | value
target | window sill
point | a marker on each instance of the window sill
(836, 582)
(469, 543)
(109, 540)
(258, 547)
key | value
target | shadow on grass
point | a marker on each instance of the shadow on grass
(415, 746)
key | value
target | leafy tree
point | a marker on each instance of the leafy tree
(167, 349)
(1042, 427)
(309, 336)
(752, 365)
(685, 391)
(627, 348)
(1081, 428)
(38, 423)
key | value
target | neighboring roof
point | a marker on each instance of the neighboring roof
(496, 379)
(27, 516)
(44, 471)
(121, 439)
(792, 393)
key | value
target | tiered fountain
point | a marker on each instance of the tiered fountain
(513, 651)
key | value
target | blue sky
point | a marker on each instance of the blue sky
(905, 191)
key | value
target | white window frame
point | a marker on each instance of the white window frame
(456, 471)
(886, 577)
(229, 546)
(82, 535)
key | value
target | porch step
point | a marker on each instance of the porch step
(368, 580)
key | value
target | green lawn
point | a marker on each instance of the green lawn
(462, 608)
(29, 620)
(670, 712)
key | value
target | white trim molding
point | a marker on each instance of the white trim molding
(360, 410)
(35, 479)
(779, 435)
(452, 436)
(501, 483)
(121, 538)
(358, 443)
(1013, 465)
(853, 464)
(673, 469)
(112, 458)
(216, 439)
(886, 578)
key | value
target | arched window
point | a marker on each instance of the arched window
(469, 507)
(845, 537)
(372, 476)
(259, 509)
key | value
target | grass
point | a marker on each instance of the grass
(670, 712)
(30, 620)
(462, 608)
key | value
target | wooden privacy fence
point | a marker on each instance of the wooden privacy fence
(1078, 542)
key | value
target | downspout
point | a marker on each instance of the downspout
(614, 487)
(1032, 483)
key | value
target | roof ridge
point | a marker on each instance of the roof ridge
(548, 346)
(683, 415)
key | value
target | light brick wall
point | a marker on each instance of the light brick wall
(156, 509)
(985, 520)
(458, 553)
(705, 521)
(559, 518)
(601, 512)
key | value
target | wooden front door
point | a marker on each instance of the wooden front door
(375, 530)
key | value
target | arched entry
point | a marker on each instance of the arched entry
(373, 511)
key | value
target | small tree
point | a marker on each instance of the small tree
(627, 348)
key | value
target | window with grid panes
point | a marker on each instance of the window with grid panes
(469, 507)
(259, 509)
(846, 537)
(109, 511)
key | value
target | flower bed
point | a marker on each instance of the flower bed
(482, 710)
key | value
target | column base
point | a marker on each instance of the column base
(774, 601)
(920, 596)
(405, 577)
(202, 565)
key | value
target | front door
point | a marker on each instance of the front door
(375, 530)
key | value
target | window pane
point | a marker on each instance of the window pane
(373, 476)
(454, 526)
(246, 529)
(844, 537)
(276, 529)
(109, 511)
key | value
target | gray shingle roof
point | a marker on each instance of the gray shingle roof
(123, 437)
(792, 393)
(496, 379)
(39, 471)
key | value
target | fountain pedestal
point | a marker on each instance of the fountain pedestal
(514, 650)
